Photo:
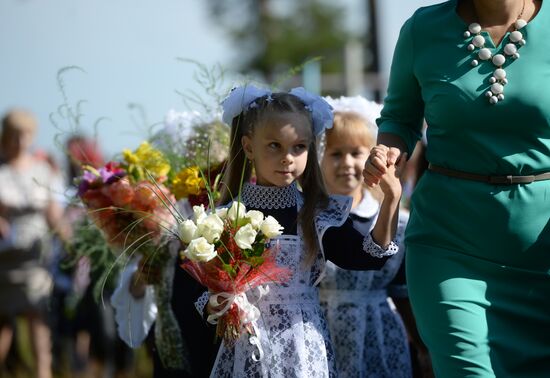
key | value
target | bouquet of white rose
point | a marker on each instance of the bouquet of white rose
(227, 251)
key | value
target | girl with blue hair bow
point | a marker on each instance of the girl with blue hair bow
(274, 135)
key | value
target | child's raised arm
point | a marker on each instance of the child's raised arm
(385, 228)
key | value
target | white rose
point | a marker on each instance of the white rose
(245, 236)
(256, 218)
(200, 250)
(199, 213)
(222, 212)
(188, 231)
(237, 210)
(211, 228)
(271, 228)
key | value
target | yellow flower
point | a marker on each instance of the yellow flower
(147, 158)
(186, 182)
(129, 156)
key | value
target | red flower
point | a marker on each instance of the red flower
(121, 192)
(94, 199)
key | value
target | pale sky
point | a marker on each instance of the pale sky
(128, 49)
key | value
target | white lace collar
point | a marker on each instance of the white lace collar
(269, 197)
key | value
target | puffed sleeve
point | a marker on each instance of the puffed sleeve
(133, 316)
(344, 245)
(403, 110)
(349, 249)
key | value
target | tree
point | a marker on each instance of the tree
(271, 39)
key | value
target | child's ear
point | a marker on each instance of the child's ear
(246, 142)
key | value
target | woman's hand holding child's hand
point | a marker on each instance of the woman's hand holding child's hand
(384, 167)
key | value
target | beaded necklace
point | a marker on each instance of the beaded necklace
(515, 40)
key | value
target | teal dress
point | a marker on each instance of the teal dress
(478, 255)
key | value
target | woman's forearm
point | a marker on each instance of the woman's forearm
(392, 140)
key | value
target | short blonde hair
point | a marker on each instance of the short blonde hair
(350, 126)
(17, 120)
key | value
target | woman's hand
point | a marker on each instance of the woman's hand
(380, 159)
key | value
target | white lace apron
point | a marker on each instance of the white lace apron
(293, 331)
(369, 337)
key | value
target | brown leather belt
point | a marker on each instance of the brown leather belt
(495, 180)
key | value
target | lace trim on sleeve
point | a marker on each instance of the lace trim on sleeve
(373, 249)
(201, 302)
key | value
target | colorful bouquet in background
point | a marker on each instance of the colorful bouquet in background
(138, 201)
(226, 250)
(196, 149)
(128, 202)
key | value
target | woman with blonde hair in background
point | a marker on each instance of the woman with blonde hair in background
(28, 213)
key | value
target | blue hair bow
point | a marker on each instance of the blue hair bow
(321, 111)
(242, 99)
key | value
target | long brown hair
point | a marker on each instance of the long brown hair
(313, 187)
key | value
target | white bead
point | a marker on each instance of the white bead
(488, 94)
(516, 36)
(474, 28)
(498, 60)
(500, 97)
(504, 81)
(478, 41)
(520, 23)
(475, 62)
(522, 42)
(499, 73)
(515, 56)
(510, 49)
(497, 88)
(493, 99)
(471, 47)
(484, 54)
(492, 80)
(467, 34)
